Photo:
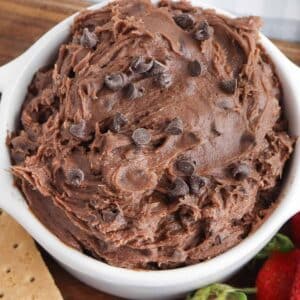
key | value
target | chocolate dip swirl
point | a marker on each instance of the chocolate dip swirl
(156, 140)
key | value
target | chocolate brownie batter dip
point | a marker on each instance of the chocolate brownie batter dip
(157, 138)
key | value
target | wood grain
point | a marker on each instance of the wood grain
(291, 50)
(21, 23)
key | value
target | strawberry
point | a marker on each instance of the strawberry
(295, 293)
(275, 278)
(295, 228)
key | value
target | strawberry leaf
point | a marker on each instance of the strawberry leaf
(279, 243)
(238, 296)
(220, 291)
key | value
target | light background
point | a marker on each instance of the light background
(281, 17)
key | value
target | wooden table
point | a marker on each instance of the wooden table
(21, 23)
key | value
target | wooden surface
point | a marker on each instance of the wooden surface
(21, 23)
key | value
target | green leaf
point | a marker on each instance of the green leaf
(220, 291)
(279, 242)
(238, 296)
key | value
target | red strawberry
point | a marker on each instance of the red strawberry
(295, 294)
(295, 227)
(275, 279)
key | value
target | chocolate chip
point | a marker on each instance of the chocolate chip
(194, 68)
(164, 80)
(203, 31)
(109, 214)
(186, 216)
(132, 92)
(118, 121)
(248, 139)
(239, 171)
(185, 21)
(197, 183)
(218, 240)
(175, 127)
(71, 73)
(141, 136)
(88, 39)
(225, 103)
(44, 114)
(179, 188)
(18, 156)
(79, 130)
(157, 68)
(185, 166)
(140, 65)
(74, 176)
(228, 86)
(116, 81)
(152, 265)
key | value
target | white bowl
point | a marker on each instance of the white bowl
(167, 284)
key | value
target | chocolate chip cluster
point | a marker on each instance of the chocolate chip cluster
(201, 32)
(189, 183)
(151, 67)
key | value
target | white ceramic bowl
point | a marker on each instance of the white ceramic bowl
(167, 284)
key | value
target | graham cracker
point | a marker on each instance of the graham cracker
(23, 273)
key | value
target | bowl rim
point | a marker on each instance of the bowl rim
(171, 277)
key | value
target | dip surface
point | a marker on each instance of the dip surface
(156, 140)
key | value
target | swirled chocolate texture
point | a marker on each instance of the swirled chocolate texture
(156, 140)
